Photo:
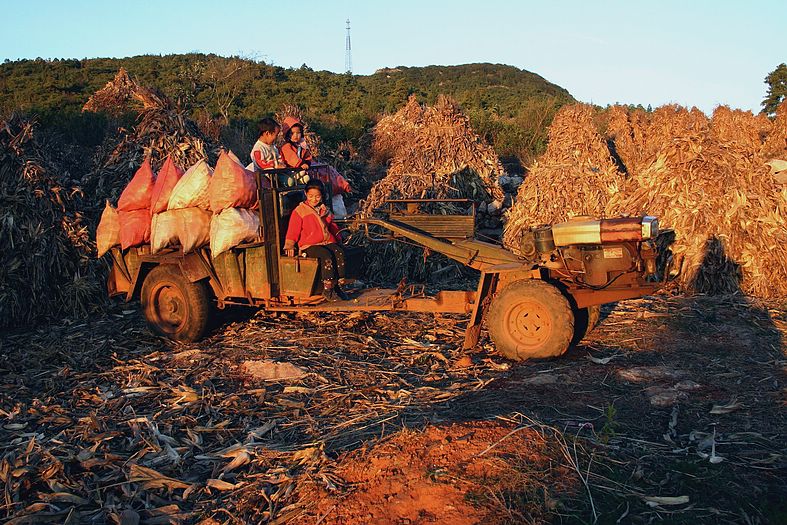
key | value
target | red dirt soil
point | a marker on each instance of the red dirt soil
(456, 474)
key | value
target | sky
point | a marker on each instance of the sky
(690, 52)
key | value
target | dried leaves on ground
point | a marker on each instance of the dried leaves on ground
(673, 409)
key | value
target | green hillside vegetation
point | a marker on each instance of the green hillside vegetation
(509, 106)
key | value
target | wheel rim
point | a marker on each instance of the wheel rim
(530, 324)
(170, 307)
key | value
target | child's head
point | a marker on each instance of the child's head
(292, 128)
(294, 134)
(314, 190)
(269, 130)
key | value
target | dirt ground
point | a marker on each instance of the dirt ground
(673, 409)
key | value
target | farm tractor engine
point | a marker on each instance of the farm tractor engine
(595, 252)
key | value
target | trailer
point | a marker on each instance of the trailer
(534, 303)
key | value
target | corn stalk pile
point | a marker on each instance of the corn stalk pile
(576, 176)
(45, 269)
(114, 98)
(163, 129)
(704, 178)
(431, 152)
(775, 146)
(709, 182)
(432, 148)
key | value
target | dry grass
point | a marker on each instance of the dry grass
(432, 150)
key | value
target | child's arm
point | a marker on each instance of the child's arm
(262, 163)
(293, 233)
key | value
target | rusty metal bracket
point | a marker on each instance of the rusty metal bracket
(486, 289)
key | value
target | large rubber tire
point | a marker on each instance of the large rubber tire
(173, 306)
(585, 320)
(530, 319)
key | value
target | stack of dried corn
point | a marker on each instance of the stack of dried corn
(625, 132)
(432, 152)
(44, 246)
(114, 98)
(775, 146)
(576, 176)
(708, 181)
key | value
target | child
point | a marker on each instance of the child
(294, 151)
(264, 154)
(311, 227)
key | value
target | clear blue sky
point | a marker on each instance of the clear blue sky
(691, 52)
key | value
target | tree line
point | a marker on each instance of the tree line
(510, 107)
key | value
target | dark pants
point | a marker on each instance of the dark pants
(331, 258)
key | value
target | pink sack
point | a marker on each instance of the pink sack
(137, 194)
(167, 178)
(134, 228)
(232, 185)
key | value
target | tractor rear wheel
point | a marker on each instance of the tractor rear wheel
(530, 319)
(585, 320)
(173, 306)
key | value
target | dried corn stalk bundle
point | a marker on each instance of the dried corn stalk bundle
(313, 140)
(433, 153)
(775, 146)
(728, 215)
(743, 128)
(119, 94)
(433, 144)
(575, 176)
(394, 132)
(626, 134)
(670, 123)
(163, 129)
(45, 268)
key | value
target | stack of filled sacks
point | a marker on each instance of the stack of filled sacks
(175, 208)
(181, 212)
(232, 194)
(129, 224)
(167, 210)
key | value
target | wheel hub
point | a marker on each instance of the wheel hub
(170, 305)
(530, 323)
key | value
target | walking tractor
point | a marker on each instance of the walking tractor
(534, 303)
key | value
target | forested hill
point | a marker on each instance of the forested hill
(498, 98)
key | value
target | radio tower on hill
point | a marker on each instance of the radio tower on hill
(348, 54)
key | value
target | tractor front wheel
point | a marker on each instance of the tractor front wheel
(530, 319)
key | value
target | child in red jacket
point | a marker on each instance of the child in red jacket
(294, 151)
(312, 228)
